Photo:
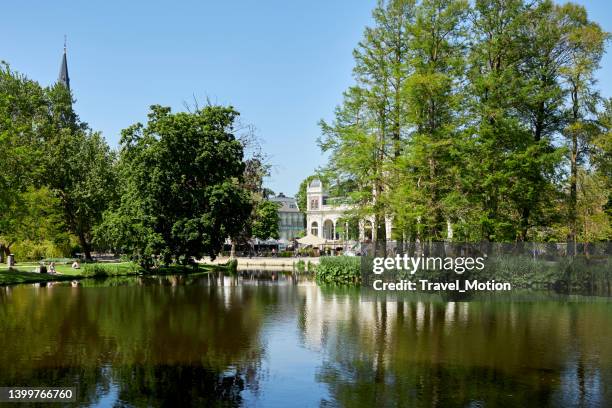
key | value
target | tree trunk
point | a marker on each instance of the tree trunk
(5, 251)
(572, 217)
(85, 246)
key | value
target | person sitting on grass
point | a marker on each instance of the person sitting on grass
(75, 265)
(52, 268)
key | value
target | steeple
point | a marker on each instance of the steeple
(63, 74)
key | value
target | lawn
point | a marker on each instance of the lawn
(23, 272)
(18, 276)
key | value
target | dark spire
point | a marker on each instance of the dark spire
(63, 74)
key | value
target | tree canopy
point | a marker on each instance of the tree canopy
(474, 121)
(180, 187)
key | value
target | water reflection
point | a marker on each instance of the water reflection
(271, 339)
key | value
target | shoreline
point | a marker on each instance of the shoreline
(17, 275)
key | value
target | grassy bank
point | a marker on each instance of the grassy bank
(25, 272)
(13, 276)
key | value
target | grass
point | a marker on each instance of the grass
(13, 276)
(24, 272)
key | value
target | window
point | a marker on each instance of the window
(314, 229)
(314, 204)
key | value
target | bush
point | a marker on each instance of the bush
(339, 269)
(232, 266)
(28, 250)
(98, 270)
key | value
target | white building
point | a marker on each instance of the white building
(326, 218)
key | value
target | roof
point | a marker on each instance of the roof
(311, 240)
(288, 204)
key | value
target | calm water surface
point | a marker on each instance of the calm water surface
(276, 340)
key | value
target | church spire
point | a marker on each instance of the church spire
(63, 74)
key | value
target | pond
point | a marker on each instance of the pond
(279, 340)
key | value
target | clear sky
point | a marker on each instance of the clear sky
(282, 64)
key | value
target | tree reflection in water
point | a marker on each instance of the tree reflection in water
(276, 339)
(156, 343)
(426, 352)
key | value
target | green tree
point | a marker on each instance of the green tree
(602, 150)
(514, 111)
(367, 132)
(432, 92)
(265, 222)
(23, 123)
(586, 41)
(79, 169)
(592, 222)
(255, 170)
(180, 195)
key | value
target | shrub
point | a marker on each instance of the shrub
(28, 250)
(97, 270)
(232, 266)
(339, 269)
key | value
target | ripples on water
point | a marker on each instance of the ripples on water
(275, 339)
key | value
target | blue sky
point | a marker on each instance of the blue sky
(282, 64)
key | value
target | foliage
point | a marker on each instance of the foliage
(97, 270)
(180, 192)
(232, 266)
(266, 220)
(339, 269)
(54, 163)
(474, 121)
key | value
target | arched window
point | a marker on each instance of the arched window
(328, 229)
(314, 229)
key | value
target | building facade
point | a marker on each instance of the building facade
(290, 218)
(326, 218)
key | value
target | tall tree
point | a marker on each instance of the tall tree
(181, 195)
(507, 176)
(79, 168)
(586, 42)
(367, 132)
(23, 119)
(602, 150)
(433, 93)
